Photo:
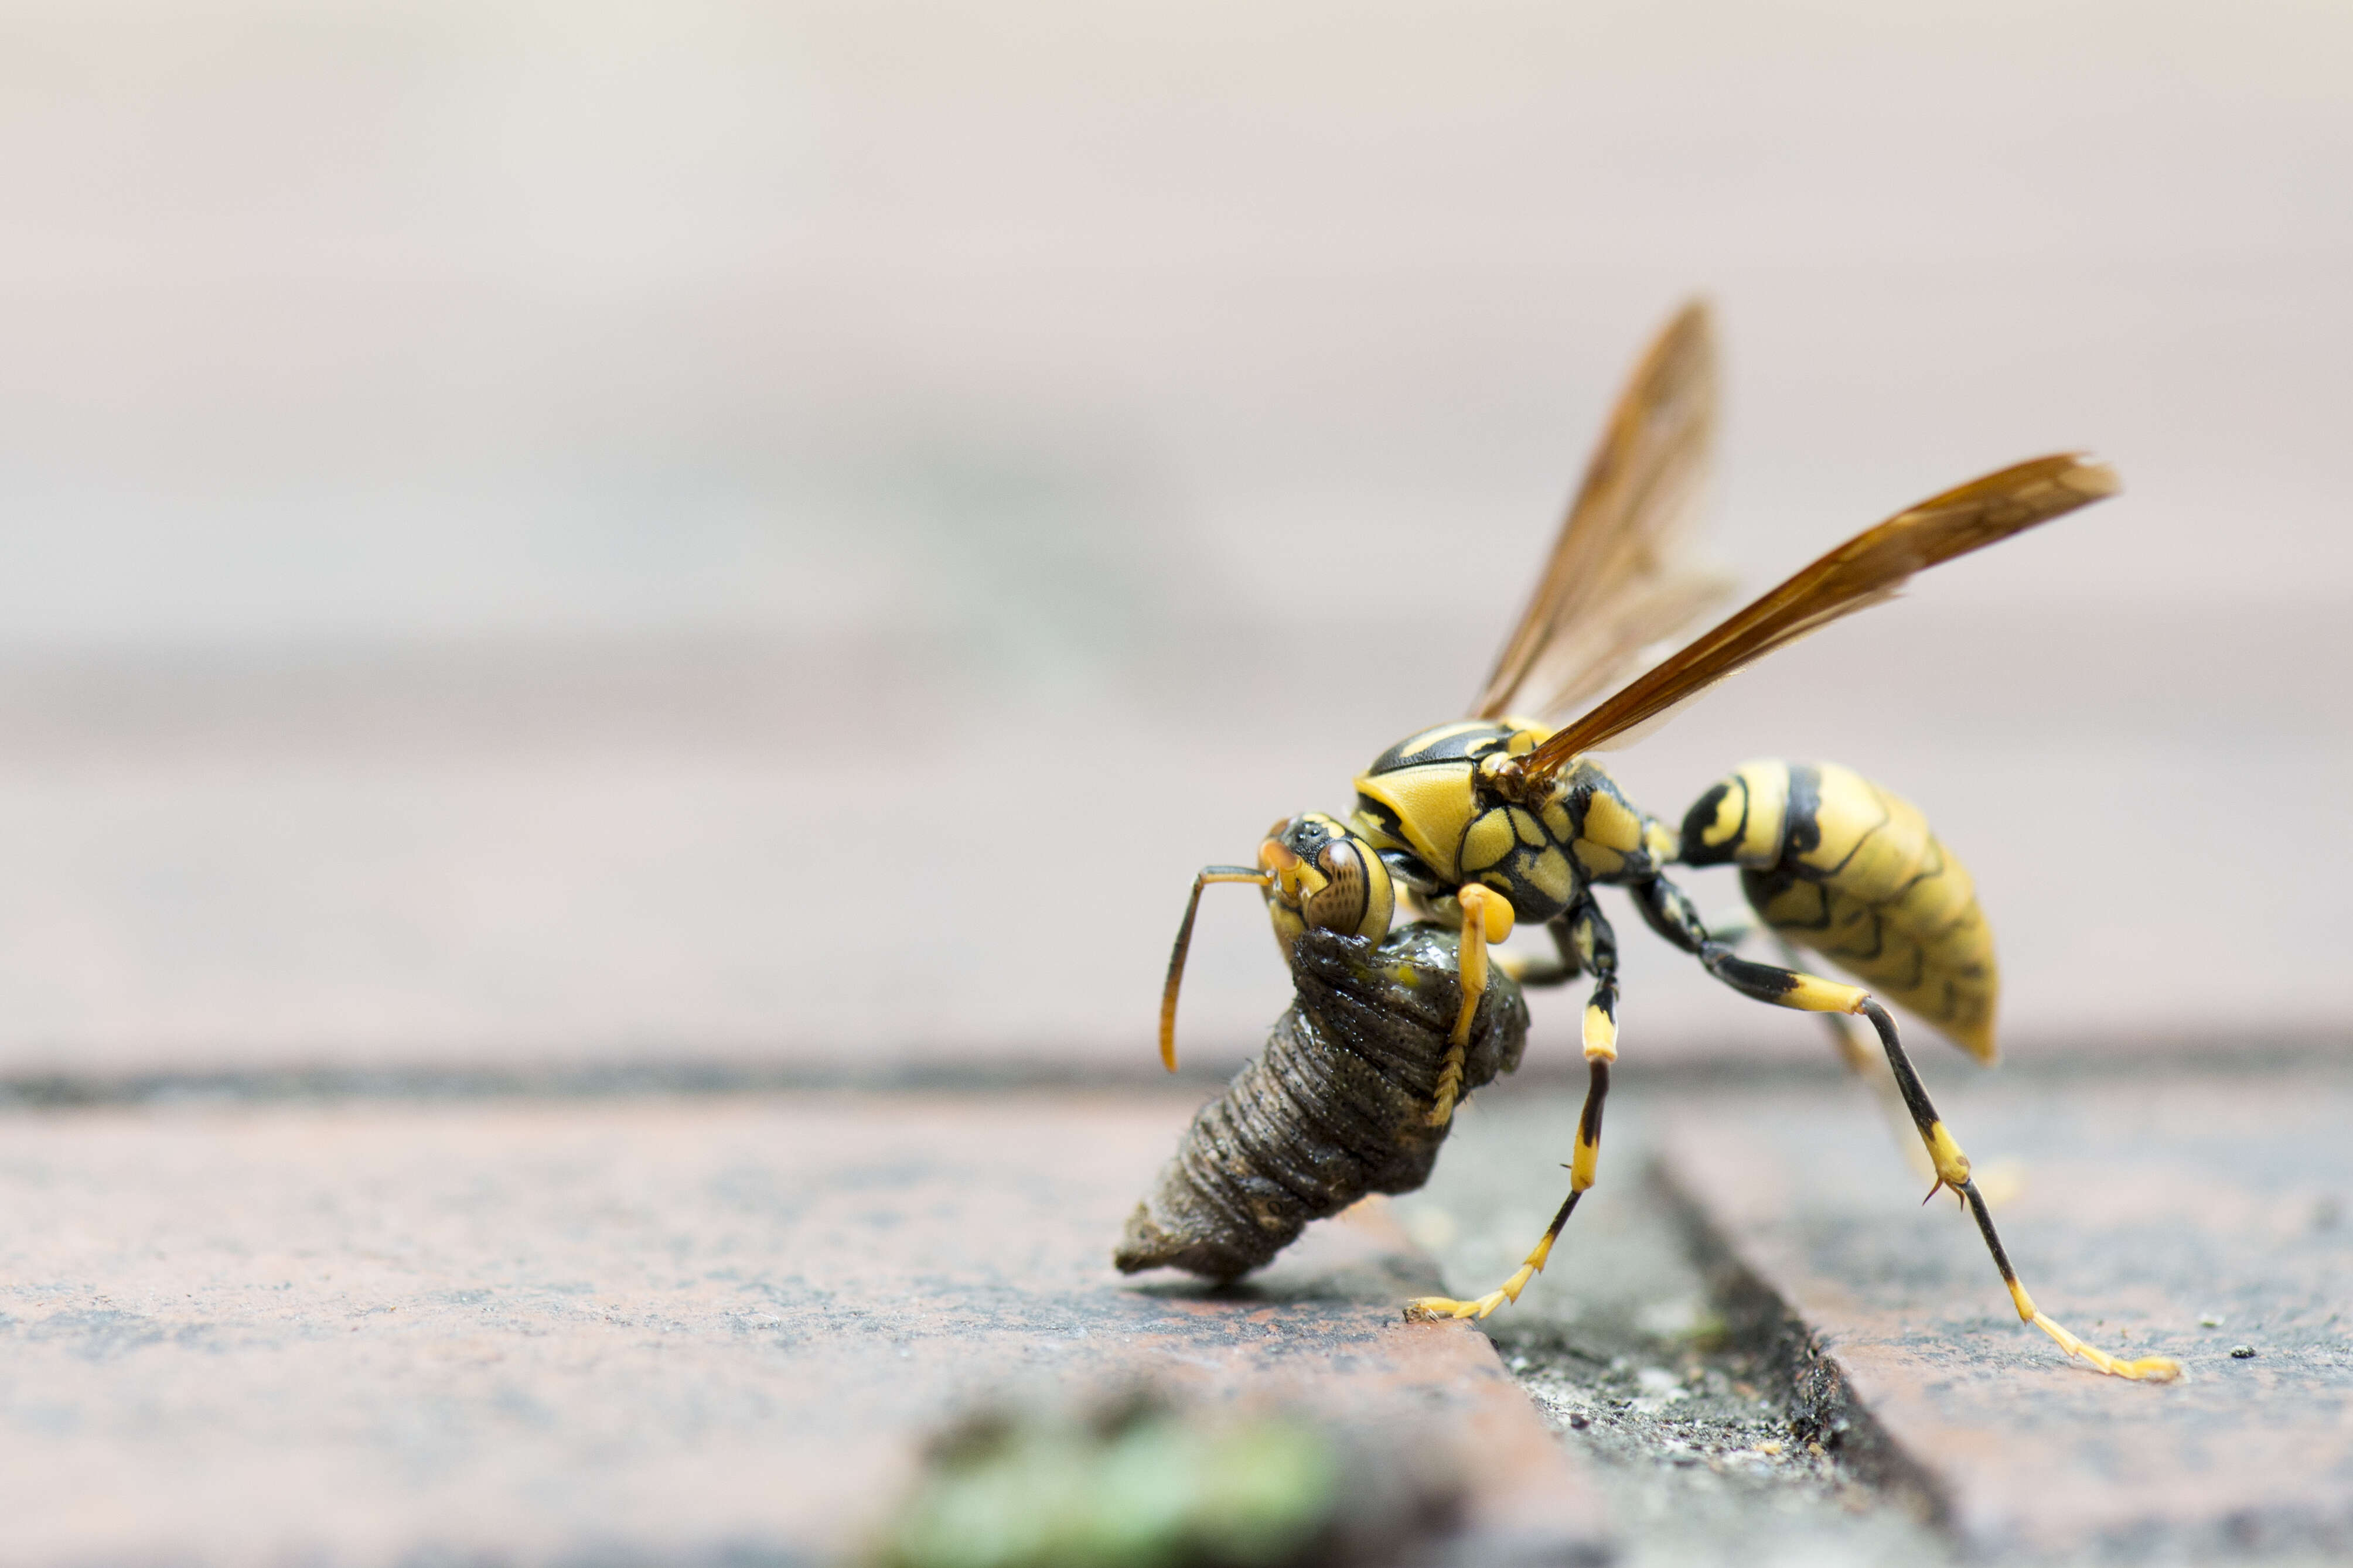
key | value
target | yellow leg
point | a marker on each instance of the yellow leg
(1425, 1309)
(1486, 917)
(2145, 1369)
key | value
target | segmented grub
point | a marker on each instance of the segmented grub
(1336, 1107)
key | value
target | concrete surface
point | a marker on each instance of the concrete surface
(2193, 1216)
(1624, 1345)
(715, 1328)
(707, 1331)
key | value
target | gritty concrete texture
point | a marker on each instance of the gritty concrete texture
(2183, 1215)
(1621, 1344)
(655, 1329)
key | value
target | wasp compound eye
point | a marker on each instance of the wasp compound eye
(1339, 904)
(1357, 897)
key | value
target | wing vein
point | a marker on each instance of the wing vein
(1865, 570)
(1618, 579)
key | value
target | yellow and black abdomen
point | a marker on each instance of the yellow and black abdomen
(1836, 863)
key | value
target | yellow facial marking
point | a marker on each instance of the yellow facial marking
(1525, 823)
(1556, 823)
(1289, 926)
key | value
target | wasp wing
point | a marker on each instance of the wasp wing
(1619, 581)
(1864, 571)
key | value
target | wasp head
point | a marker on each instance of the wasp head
(1322, 874)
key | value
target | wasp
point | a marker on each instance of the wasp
(1505, 818)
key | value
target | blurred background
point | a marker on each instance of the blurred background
(543, 535)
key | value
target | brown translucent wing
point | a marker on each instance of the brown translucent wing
(1617, 581)
(1864, 570)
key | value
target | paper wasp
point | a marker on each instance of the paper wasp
(1501, 819)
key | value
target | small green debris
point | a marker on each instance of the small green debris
(1146, 1487)
(2208, 1321)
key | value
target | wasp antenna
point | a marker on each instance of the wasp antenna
(1184, 944)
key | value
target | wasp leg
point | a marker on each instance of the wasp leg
(1596, 946)
(1671, 914)
(1540, 971)
(1426, 1308)
(1852, 1047)
(1486, 917)
(1588, 936)
(1952, 1163)
(1848, 1040)
(1854, 1050)
(1846, 1037)
(1537, 973)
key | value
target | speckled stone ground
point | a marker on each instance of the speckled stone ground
(1624, 1347)
(716, 1327)
(2195, 1217)
(2197, 1214)
(659, 1329)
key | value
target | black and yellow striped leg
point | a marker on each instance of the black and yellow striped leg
(1953, 1171)
(1853, 1048)
(1580, 1176)
(1596, 946)
(1486, 917)
(1848, 1040)
(1586, 936)
(1670, 913)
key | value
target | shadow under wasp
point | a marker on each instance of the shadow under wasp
(1500, 819)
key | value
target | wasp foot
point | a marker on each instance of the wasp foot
(1439, 1309)
(2145, 1369)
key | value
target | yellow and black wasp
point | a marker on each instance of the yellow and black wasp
(1500, 820)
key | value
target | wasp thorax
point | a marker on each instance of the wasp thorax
(1325, 876)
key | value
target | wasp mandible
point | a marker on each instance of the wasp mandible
(1499, 820)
